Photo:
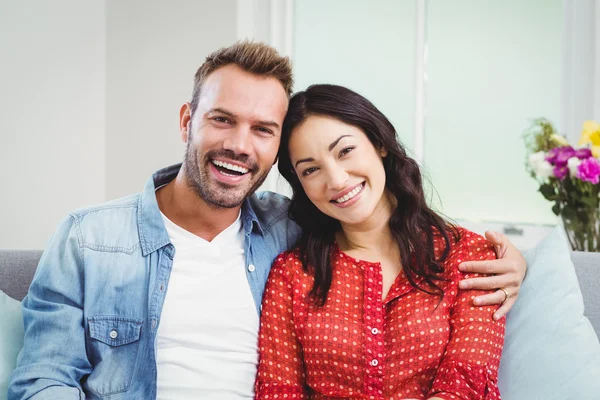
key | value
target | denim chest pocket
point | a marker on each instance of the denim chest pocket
(113, 346)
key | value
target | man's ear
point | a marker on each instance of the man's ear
(185, 119)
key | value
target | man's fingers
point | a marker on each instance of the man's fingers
(498, 297)
(505, 308)
(499, 241)
(486, 283)
(486, 267)
(488, 299)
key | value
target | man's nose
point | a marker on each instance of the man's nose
(239, 140)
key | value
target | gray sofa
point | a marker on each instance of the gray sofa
(17, 269)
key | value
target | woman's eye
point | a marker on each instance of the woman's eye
(346, 150)
(308, 171)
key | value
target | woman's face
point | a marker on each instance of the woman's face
(339, 168)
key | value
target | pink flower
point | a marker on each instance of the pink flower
(559, 156)
(583, 153)
(561, 171)
(589, 170)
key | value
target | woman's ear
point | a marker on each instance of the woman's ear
(383, 151)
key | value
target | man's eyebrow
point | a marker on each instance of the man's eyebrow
(269, 123)
(335, 142)
(221, 110)
(232, 115)
(304, 160)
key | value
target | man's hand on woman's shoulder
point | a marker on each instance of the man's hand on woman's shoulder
(504, 274)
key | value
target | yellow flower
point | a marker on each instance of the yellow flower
(591, 135)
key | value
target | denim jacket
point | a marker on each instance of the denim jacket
(94, 306)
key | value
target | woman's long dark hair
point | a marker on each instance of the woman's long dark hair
(413, 224)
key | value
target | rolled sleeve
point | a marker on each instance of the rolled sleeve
(54, 359)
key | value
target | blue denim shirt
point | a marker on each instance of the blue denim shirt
(94, 306)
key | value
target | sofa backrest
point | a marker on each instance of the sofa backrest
(587, 267)
(16, 271)
(17, 268)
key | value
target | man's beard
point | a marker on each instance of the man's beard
(213, 192)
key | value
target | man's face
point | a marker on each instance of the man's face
(233, 136)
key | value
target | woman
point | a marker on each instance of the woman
(368, 306)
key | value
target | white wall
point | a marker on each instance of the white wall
(89, 100)
(485, 85)
(51, 115)
(578, 69)
(597, 63)
(153, 50)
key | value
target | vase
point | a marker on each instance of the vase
(583, 228)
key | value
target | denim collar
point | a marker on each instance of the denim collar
(153, 234)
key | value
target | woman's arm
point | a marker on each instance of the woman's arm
(469, 366)
(280, 367)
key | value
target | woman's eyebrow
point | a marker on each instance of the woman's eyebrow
(335, 142)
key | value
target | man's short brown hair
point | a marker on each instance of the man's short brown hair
(254, 57)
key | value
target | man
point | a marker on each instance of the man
(158, 295)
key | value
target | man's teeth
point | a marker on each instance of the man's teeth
(230, 167)
(350, 195)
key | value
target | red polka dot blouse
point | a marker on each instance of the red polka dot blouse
(410, 346)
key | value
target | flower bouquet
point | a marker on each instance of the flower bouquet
(570, 177)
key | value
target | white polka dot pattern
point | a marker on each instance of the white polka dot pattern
(411, 346)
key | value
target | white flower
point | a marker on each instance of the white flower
(536, 158)
(542, 168)
(544, 171)
(573, 164)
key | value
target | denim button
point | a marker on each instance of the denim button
(113, 334)
(251, 268)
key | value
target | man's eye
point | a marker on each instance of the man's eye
(309, 171)
(265, 130)
(221, 119)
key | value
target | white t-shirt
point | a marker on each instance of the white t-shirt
(208, 332)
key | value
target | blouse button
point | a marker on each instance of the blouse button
(374, 331)
(374, 362)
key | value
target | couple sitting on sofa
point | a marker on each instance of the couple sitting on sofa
(371, 304)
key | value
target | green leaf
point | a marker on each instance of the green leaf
(569, 212)
(590, 201)
(556, 208)
(548, 191)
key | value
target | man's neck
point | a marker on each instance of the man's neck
(182, 205)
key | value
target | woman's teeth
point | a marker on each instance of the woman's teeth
(350, 195)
